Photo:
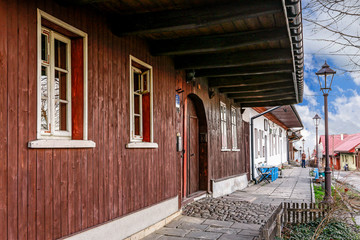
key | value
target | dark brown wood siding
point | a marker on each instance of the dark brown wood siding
(47, 194)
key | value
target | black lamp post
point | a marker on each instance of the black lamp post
(316, 119)
(326, 76)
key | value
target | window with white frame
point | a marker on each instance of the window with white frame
(234, 128)
(223, 125)
(61, 85)
(55, 84)
(141, 105)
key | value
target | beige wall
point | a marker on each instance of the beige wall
(348, 159)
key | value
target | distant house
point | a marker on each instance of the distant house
(273, 134)
(342, 150)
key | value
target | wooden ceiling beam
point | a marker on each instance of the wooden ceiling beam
(173, 20)
(238, 81)
(268, 103)
(214, 43)
(274, 93)
(248, 70)
(286, 86)
(264, 99)
(241, 58)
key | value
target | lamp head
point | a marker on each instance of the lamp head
(325, 77)
(316, 119)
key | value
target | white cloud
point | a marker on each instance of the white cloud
(309, 95)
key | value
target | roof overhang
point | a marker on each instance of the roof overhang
(250, 50)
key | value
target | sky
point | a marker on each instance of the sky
(344, 99)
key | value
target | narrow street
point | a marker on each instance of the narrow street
(239, 215)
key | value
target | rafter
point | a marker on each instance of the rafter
(155, 22)
(234, 59)
(214, 43)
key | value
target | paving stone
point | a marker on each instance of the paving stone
(246, 226)
(172, 232)
(153, 236)
(203, 235)
(174, 238)
(192, 226)
(249, 232)
(222, 230)
(218, 223)
(192, 219)
(236, 237)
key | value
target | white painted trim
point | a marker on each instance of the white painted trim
(124, 227)
(58, 143)
(226, 150)
(235, 150)
(142, 145)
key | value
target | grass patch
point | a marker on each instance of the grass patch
(333, 230)
(319, 193)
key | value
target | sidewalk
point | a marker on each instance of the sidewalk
(240, 214)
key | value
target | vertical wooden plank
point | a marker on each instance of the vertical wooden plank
(64, 192)
(32, 118)
(101, 126)
(12, 136)
(83, 188)
(71, 191)
(40, 194)
(94, 38)
(48, 194)
(23, 121)
(3, 120)
(77, 188)
(56, 222)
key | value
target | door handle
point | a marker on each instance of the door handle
(193, 154)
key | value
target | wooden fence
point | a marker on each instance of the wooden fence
(291, 213)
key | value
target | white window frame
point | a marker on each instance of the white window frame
(234, 129)
(224, 146)
(136, 140)
(56, 141)
(52, 133)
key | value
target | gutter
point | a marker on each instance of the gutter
(252, 139)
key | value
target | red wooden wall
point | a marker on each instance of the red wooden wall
(46, 194)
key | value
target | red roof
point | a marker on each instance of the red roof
(334, 141)
(348, 143)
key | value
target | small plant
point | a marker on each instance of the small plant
(333, 230)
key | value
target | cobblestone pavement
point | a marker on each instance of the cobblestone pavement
(229, 210)
(239, 210)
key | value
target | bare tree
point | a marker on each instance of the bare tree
(337, 22)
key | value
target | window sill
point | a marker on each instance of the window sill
(61, 143)
(142, 145)
(235, 150)
(225, 150)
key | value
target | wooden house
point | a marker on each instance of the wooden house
(115, 113)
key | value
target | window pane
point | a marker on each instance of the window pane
(60, 85)
(136, 104)
(44, 82)
(145, 81)
(60, 116)
(137, 125)
(44, 48)
(44, 114)
(60, 54)
(137, 82)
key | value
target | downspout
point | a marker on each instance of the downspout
(252, 139)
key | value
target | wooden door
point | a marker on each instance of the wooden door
(193, 153)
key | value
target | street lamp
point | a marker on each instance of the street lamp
(326, 76)
(316, 119)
